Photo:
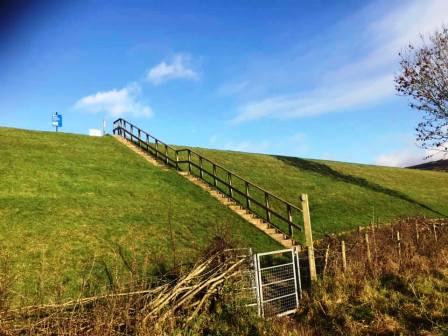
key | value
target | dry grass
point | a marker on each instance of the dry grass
(396, 293)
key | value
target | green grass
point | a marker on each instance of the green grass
(342, 195)
(72, 207)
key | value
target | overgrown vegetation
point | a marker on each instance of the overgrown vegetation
(391, 295)
(403, 290)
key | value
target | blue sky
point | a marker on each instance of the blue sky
(303, 78)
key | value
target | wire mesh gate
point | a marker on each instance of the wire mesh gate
(277, 282)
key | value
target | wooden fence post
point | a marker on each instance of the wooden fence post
(327, 254)
(247, 195)
(417, 234)
(266, 202)
(290, 228)
(369, 256)
(435, 231)
(166, 154)
(201, 164)
(189, 161)
(399, 244)
(308, 236)
(229, 177)
(344, 258)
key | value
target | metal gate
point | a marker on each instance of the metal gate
(277, 282)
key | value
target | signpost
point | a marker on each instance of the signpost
(57, 120)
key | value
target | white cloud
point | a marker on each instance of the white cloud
(179, 68)
(320, 101)
(116, 102)
(364, 80)
(409, 156)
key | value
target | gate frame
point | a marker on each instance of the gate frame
(295, 264)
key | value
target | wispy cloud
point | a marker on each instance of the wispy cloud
(178, 68)
(320, 101)
(116, 102)
(362, 80)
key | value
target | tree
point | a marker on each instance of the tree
(424, 79)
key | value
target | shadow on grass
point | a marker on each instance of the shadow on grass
(325, 170)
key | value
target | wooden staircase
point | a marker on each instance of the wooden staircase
(164, 156)
(247, 215)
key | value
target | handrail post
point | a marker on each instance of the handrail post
(290, 228)
(214, 175)
(177, 160)
(139, 134)
(308, 236)
(189, 161)
(157, 148)
(202, 167)
(266, 202)
(229, 177)
(166, 154)
(247, 195)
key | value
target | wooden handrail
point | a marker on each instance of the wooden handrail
(124, 128)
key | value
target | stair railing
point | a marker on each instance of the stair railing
(275, 211)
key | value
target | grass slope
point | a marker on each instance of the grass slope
(342, 195)
(73, 207)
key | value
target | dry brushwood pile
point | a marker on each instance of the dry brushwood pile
(146, 311)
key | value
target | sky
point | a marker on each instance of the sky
(312, 79)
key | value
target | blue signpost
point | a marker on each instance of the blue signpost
(57, 120)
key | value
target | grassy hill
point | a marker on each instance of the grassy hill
(342, 195)
(79, 212)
